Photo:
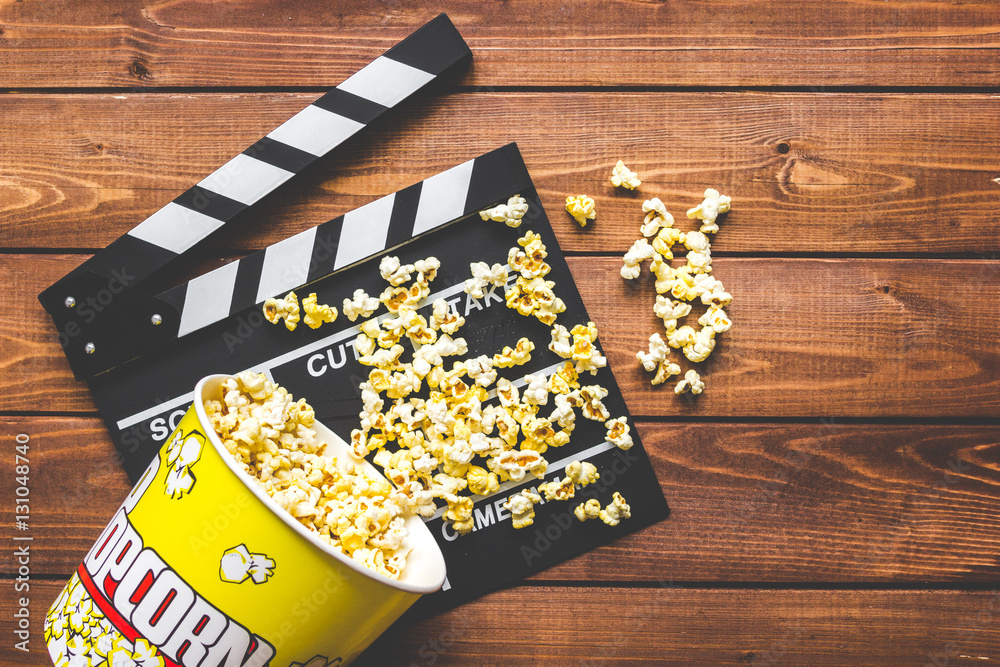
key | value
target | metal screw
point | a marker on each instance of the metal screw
(70, 302)
(156, 320)
(89, 348)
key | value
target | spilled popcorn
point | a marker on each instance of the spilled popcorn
(677, 287)
(581, 207)
(317, 314)
(531, 294)
(711, 208)
(483, 275)
(616, 510)
(361, 305)
(510, 213)
(623, 177)
(428, 417)
(522, 508)
(271, 437)
(691, 382)
(612, 515)
(286, 308)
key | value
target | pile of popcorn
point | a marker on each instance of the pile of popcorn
(677, 287)
(453, 442)
(436, 431)
(270, 435)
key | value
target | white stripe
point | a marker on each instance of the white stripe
(442, 197)
(315, 131)
(186, 399)
(286, 264)
(175, 228)
(561, 463)
(386, 81)
(364, 232)
(245, 179)
(207, 298)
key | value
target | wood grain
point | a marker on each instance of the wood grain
(605, 626)
(812, 338)
(77, 43)
(749, 503)
(820, 173)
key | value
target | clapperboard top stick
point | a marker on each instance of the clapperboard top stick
(124, 322)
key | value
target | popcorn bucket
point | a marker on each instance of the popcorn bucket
(199, 566)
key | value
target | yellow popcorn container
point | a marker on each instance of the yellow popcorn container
(199, 566)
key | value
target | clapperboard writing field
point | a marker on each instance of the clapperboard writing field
(213, 324)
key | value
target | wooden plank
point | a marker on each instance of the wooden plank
(749, 502)
(532, 626)
(833, 338)
(311, 43)
(859, 173)
(36, 374)
(76, 482)
(599, 626)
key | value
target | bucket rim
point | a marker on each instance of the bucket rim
(424, 540)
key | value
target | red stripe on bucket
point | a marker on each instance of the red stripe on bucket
(142, 588)
(101, 550)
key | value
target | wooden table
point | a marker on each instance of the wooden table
(835, 492)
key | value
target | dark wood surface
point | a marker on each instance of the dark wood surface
(873, 173)
(751, 502)
(835, 492)
(79, 43)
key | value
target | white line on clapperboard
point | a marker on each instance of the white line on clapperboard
(266, 366)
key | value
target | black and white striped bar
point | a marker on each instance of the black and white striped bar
(306, 136)
(430, 52)
(342, 242)
(313, 132)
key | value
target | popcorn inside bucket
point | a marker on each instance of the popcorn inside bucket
(271, 437)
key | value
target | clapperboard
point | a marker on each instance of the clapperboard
(142, 354)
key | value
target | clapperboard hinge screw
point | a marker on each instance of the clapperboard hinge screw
(156, 319)
(89, 348)
(70, 302)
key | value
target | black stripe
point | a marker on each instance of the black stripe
(433, 48)
(404, 213)
(247, 281)
(325, 248)
(175, 296)
(130, 259)
(280, 155)
(350, 106)
(495, 177)
(210, 203)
